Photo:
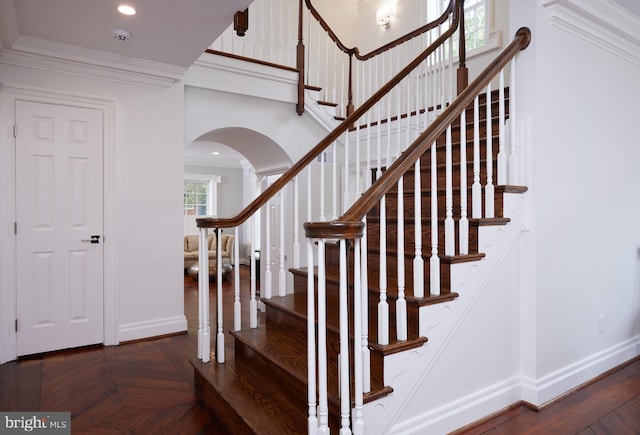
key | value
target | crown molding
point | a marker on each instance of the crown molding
(217, 162)
(51, 56)
(603, 23)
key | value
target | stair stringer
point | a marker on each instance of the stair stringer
(406, 371)
(323, 115)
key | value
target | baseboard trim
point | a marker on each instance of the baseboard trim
(496, 399)
(464, 411)
(152, 328)
(561, 382)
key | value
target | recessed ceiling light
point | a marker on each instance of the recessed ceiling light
(126, 10)
(215, 153)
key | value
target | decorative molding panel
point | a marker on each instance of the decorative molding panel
(51, 56)
(601, 22)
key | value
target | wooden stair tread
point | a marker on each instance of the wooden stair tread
(230, 393)
(285, 356)
(327, 103)
(281, 347)
(398, 346)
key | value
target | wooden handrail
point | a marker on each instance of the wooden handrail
(355, 51)
(353, 217)
(276, 186)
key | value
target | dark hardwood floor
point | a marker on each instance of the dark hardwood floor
(146, 387)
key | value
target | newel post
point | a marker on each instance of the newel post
(350, 106)
(463, 71)
(300, 62)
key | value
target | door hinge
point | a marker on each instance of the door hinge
(15, 228)
(15, 130)
(16, 325)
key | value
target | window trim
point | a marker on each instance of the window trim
(212, 191)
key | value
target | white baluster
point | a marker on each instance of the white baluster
(364, 275)
(311, 343)
(401, 302)
(379, 119)
(449, 229)
(237, 316)
(281, 37)
(282, 275)
(335, 181)
(323, 157)
(253, 302)
(358, 396)
(464, 222)
(309, 196)
(267, 240)
(514, 167)
(296, 223)
(387, 99)
(220, 304)
(502, 154)
(346, 198)
(451, 82)
(326, 63)
(319, 28)
(262, 30)
(434, 261)
(488, 188)
(358, 163)
(383, 305)
(418, 261)
(345, 396)
(476, 188)
(204, 329)
(323, 403)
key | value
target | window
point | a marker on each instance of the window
(475, 23)
(196, 197)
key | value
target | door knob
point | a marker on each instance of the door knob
(94, 239)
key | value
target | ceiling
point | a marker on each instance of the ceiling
(630, 5)
(165, 35)
(168, 32)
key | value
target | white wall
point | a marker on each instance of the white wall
(535, 332)
(580, 101)
(148, 188)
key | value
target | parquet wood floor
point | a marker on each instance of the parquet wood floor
(142, 388)
(146, 387)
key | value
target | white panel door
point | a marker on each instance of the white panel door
(59, 207)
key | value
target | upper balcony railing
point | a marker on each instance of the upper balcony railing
(293, 34)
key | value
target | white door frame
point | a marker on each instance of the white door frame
(9, 94)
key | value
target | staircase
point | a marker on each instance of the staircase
(262, 386)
